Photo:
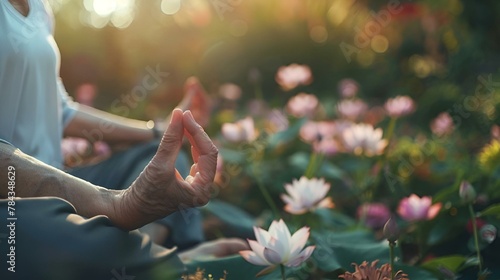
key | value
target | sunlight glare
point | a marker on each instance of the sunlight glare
(97, 21)
(88, 5)
(122, 18)
(105, 8)
(339, 11)
(170, 7)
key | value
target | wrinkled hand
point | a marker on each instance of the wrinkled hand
(160, 190)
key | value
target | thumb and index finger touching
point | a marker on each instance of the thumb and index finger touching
(203, 150)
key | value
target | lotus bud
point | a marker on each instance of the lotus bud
(391, 230)
(467, 192)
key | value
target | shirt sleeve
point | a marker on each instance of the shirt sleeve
(69, 107)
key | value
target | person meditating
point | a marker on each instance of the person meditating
(55, 240)
(84, 230)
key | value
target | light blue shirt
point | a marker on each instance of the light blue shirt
(34, 106)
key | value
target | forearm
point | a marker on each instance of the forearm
(96, 125)
(36, 179)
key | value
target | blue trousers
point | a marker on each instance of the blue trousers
(122, 168)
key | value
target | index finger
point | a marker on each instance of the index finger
(197, 136)
(205, 149)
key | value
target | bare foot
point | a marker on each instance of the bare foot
(215, 249)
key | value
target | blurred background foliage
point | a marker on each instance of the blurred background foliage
(433, 51)
(444, 54)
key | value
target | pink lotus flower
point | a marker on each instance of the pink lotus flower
(314, 131)
(302, 105)
(290, 77)
(495, 132)
(101, 148)
(72, 147)
(78, 151)
(348, 88)
(442, 125)
(414, 208)
(351, 109)
(242, 130)
(230, 91)
(375, 214)
(323, 135)
(278, 246)
(399, 106)
(326, 146)
(306, 195)
(364, 139)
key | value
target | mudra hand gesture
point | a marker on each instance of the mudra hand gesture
(160, 190)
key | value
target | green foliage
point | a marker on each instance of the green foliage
(442, 54)
(493, 210)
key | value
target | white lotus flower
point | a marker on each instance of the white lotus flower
(306, 195)
(363, 138)
(278, 246)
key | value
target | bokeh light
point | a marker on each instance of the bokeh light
(319, 34)
(379, 44)
(339, 10)
(170, 7)
(104, 8)
(120, 13)
(365, 58)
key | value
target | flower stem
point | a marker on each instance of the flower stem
(390, 129)
(268, 199)
(391, 256)
(282, 272)
(258, 92)
(420, 242)
(314, 164)
(264, 191)
(476, 239)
